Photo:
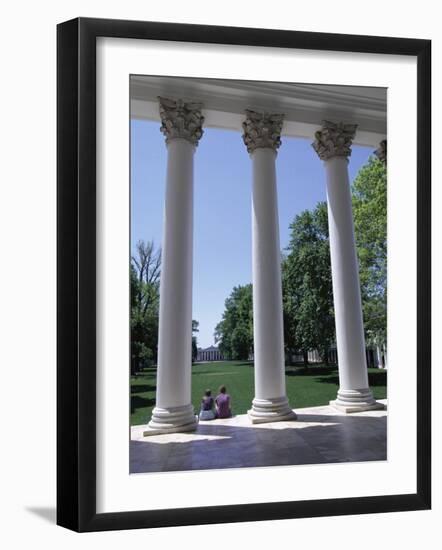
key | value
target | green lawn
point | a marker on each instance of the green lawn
(316, 385)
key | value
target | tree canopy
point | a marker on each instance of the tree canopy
(145, 271)
(234, 333)
(307, 285)
(369, 195)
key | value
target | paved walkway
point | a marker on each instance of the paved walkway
(320, 435)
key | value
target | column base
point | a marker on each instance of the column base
(172, 420)
(270, 410)
(349, 401)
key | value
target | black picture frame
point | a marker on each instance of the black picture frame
(76, 273)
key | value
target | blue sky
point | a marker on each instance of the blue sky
(222, 206)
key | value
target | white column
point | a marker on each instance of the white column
(173, 412)
(333, 145)
(385, 355)
(262, 138)
(379, 357)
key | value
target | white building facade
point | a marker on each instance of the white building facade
(212, 353)
(264, 113)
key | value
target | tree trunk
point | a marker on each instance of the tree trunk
(326, 361)
(305, 355)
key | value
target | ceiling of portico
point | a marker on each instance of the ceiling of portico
(304, 106)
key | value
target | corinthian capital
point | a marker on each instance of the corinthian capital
(334, 140)
(181, 119)
(381, 151)
(262, 130)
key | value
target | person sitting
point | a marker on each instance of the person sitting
(222, 403)
(207, 412)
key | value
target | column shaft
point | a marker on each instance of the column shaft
(270, 403)
(345, 275)
(262, 138)
(333, 145)
(175, 322)
(267, 291)
(173, 410)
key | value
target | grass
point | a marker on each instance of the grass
(316, 385)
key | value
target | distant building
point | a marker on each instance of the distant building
(212, 353)
(376, 357)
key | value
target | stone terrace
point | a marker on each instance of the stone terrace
(320, 435)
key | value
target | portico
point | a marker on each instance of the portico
(265, 113)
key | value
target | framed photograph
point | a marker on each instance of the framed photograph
(240, 267)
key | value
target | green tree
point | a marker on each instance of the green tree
(240, 342)
(234, 333)
(145, 269)
(195, 328)
(307, 285)
(369, 195)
